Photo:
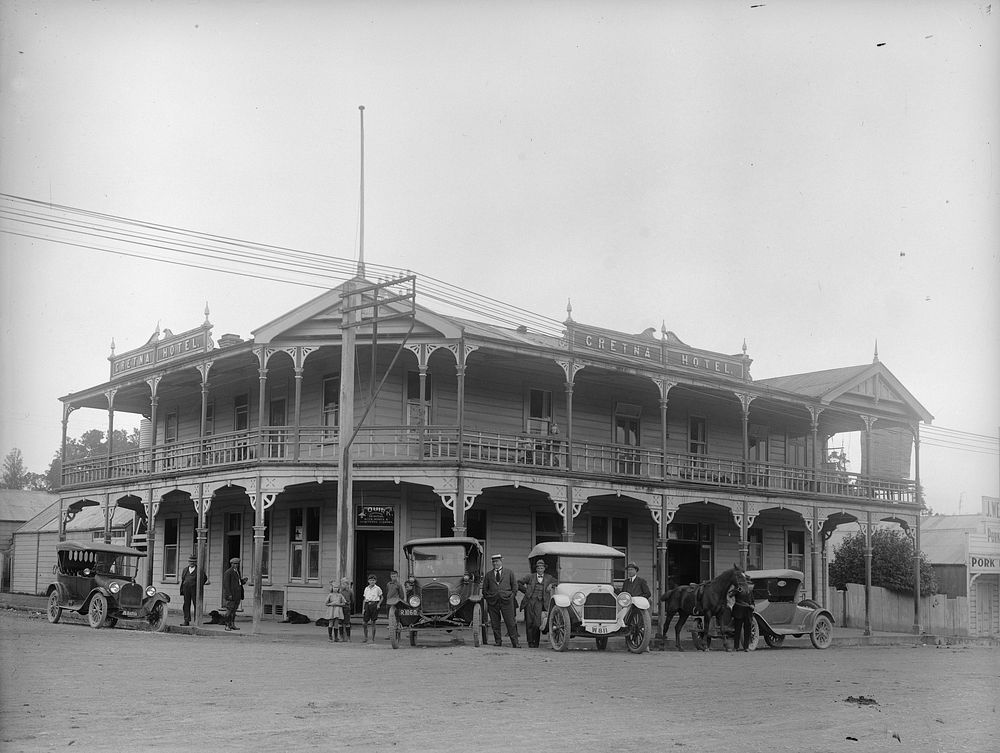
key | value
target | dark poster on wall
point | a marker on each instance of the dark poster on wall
(376, 516)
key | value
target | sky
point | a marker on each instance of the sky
(809, 178)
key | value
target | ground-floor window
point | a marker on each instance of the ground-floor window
(548, 527)
(171, 528)
(265, 565)
(304, 544)
(795, 550)
(611, 532)
(689, 553)
(755, 553)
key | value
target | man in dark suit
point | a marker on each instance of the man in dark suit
(499, 590)
(232, 591)
(537, 589)
(633, 584)
(189, 585)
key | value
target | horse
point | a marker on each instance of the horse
(706, 599)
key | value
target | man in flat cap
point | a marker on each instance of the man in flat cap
(537, 589)
(499, 590)
(633, 584)
(232, 591)
(189, 585)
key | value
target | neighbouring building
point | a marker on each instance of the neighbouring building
(512, 434)
(965, 553)
(17, 506)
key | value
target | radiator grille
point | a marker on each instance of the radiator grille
(130, 597)
(434, 599)
(600, 606)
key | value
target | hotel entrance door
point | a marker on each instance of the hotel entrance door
(374, 555)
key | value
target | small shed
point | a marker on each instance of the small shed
(17, 507)
(35, 542)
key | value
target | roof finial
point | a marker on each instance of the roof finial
(663, 329)
(569, 310)
(744, 346)
(875, 359)
(206, 312)
(112, 346)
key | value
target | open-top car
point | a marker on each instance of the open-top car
(98, 580)
(584, 602)
(781, 609)
(445, 587)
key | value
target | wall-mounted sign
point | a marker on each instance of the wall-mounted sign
(979, 563)
(726, 366)
(617, 344)
(159, 350)
(376, 516)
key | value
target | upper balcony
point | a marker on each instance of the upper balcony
(421, 446)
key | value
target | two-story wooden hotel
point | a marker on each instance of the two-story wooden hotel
(672, 453)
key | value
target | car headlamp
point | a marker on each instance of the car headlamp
(579, 598)
(454, 600)
(624, 599)
(150, 590)
(414, 601)
(115, 587)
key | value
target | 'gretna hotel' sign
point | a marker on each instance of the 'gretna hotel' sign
(639, 348)
(162, 350)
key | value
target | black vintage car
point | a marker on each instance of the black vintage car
(445, 587)
(98, 580)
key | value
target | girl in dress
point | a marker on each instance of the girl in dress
(334, 612)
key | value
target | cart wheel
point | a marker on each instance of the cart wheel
(822, 632)
(560, 626)
(477, 624)
(639, 629)
(774, 641)
(52, 610)
(602, 642)
(754, 635)
(158, 617)
(98, 611)
(394, 631)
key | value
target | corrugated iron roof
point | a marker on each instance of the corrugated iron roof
(19, 506)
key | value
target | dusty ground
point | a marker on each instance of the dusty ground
(67, 686)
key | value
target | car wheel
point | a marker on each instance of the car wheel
(560, 627)
(754, 635)
(639, 629)
(97, 613)
(158, 617)
(774, 641)
(477, 624)
(52, 610)
(602, 642)
(822, 632)
(413, 637)
(394, 631)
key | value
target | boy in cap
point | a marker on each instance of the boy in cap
(189, 585)
(369, 610)
(499, 590)
(232, 591)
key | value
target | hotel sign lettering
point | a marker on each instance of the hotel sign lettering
(376, 516)
(635, 348)
(619, 345)
(169, 348)
(702, 362)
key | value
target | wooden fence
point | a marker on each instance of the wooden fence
(893, 613)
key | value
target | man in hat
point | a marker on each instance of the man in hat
(189, 585)
(633, 584)
(232, 591)
(499, 590)
(537, 589)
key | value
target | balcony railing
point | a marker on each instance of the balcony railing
(279, 445)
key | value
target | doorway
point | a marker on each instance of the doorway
(232, 541)
(374, 555)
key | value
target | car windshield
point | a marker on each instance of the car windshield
(585, 569)
(115, 565)
(775, 589)
(437, 561)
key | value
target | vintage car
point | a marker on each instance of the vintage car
(781, 609)
(444, 589)
(98, 580)
(585, 602)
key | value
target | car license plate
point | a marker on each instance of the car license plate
(408, 612)
(598, 629)
(128, 613)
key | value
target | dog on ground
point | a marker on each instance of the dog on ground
(296, 618)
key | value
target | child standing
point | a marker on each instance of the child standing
(373, 599)
(334, 612)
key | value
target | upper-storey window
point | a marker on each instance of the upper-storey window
(331, 401)
(241, 412)
(795, 452)
(170, 426)
(209, 419)
(755, 550)
(539, 411)
(418, 406)
(697, 436)
(627, 424)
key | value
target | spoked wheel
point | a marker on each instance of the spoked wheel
(477, 624)
(754, 635)
(158, 617)
(52, 610)
(774, 641)
(639, 629)
(559, 628)
(110, 622)
(822, 632)
(602, 642)
(394, 631)
(98, 611)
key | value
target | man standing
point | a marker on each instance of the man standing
(633, 584)
(189, 585)
(395, 592)
(499, 588)
(537, 590)
(232, 591)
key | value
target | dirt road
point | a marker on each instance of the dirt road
(66, 686)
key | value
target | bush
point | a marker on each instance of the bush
(892, 563)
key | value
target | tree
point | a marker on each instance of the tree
(14, 474)
(892, 562)
(90, 444)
